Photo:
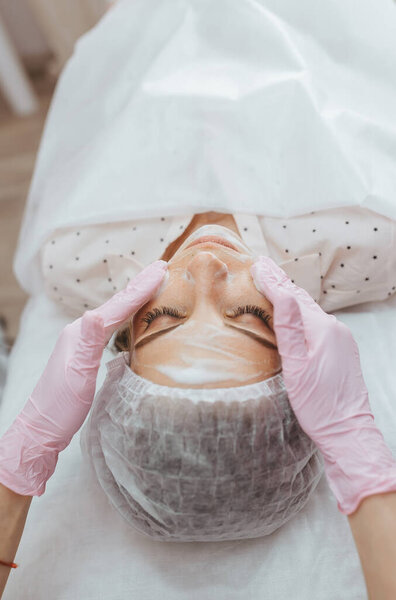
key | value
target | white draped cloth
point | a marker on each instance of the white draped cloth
(171, 107)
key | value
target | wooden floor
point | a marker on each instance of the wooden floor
(19, 140)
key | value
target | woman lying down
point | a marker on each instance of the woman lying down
(232, 391)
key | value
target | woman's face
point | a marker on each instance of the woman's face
(208, 326)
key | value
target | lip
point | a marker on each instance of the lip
(215, 240)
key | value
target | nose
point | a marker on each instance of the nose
(207, 269)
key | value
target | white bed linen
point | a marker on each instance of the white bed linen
(171, 107)
(76, 547)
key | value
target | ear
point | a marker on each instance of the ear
(122, 340)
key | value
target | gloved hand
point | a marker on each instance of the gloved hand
(324, 382)
(64, 393)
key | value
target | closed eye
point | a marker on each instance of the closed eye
(259, 312)
(151, 315)
(252, 309)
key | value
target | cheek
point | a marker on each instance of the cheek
(174, 291)
(241, 288)
(178, 285)
(163, 286)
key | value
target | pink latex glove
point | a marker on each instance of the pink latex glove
(64, 393)
(324, 382)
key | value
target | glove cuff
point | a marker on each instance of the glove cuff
(362, 465)
(25, 466)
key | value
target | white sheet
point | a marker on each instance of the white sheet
(75, 546)
(270, 107)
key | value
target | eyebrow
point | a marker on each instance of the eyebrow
(255, 336)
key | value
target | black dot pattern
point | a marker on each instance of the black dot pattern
(90, 277)
(341, 280)
(353, 246)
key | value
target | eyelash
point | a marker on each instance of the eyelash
(254, 310)
(151, 315)
(158, 312)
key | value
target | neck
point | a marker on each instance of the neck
(207, 218)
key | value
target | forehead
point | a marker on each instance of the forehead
(201, 354)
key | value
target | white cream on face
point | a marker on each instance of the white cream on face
(188, 276)
(202, 371)
(163, 285)
(215, 363)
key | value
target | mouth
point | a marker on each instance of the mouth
(214, 240)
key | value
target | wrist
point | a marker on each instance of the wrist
(25, 466)
(360, 464)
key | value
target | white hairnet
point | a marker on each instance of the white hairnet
(199, 464)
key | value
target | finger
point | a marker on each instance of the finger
(127, 302)
(269, 279)
(289, 328)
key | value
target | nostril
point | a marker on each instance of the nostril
(222, 271)
(188, 276)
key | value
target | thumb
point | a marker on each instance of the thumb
(268, 278)
(124, 304)
(289, 329)
(273, 282)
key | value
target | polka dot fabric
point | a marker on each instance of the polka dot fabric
(356, 247)
(79, 264)
(351, 250)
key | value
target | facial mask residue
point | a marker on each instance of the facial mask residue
(199, 369)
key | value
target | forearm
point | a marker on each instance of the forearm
(373, 527)
(13, 512)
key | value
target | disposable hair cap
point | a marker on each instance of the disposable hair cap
(199, 464)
